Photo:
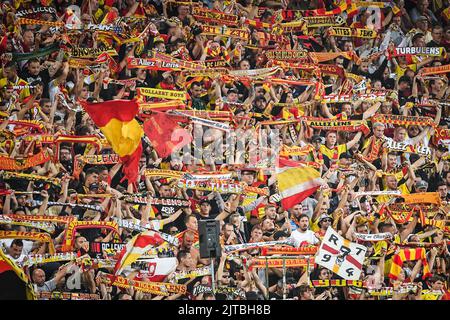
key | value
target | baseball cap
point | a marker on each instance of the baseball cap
(421, 184)
(316, 138)
(325, 216)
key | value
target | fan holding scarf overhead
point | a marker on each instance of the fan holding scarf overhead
(116, 121)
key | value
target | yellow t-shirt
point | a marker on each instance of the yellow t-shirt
(333, 153)
(23, 93)
(401, 71)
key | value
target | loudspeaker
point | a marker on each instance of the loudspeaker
(209, 238)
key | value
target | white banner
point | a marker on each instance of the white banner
(341, 256)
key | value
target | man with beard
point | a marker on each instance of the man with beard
(187, 245)
(302, 235)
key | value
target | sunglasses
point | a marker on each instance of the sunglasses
(327, 220)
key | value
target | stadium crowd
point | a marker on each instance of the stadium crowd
(126, 123)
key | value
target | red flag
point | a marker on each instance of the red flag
(166, 134)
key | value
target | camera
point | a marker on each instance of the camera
(196, 30)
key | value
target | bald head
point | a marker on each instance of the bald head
(38, 277)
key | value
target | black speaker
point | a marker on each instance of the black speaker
(209, 238)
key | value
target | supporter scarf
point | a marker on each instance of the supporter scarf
(288, 27)
(152, 64)
(46, 258)
(157, 288)
(73, 205)
(427, 208)
(23, 126)
(338, 125)
(441, 134)
(255, 73)
(332, 69)
(324, 21)
(389, 291)
(253, 245)
(199, 289)
(241, 34)
(55, 219)
(424, 51)
(110, 249)
(31, 177)
(161, 106)
(179, 203)
(34, 236)
(215, 63)
(215, 115)
(207, 15)
(123, 223)
(295, 151)
(409, 255)
(199, 272)
(337, 283)
(75, 225)
(373, 237)
(38, 225)
(400, 218)
(39, 22)
(403, 120)
(57, 295)
(326, 56)
(352, 32)
(267, 251)
(435, 70)
(277, 38)
(164, 173)
(221, 187)
(36, 10)
(286, 55)
(403, 147)
(278, 263)
(377, 193)
(77, 52)
(17, 56)
(100, 159)
(162, 94)
(423, 197)
(205, 122)
(336, 98)
(182, 64)
(7, 163)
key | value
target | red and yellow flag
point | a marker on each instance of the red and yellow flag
(115, 119)
(409, 255)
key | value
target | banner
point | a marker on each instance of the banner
(162, 94)
(341, 256)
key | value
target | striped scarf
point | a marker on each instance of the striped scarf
(409, 255)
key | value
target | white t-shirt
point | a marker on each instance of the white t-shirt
(300, 237)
